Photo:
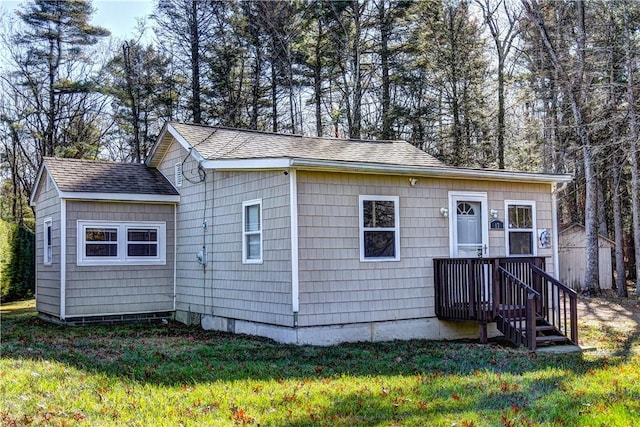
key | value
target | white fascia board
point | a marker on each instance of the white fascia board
(184, 143)
(176, 135)
(43, 172)
(248, 164)
(121, 197)
(440, 172)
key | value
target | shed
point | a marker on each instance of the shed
(572, 253)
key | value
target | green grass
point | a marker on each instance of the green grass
(155, 375)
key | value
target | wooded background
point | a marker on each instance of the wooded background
(544, 86)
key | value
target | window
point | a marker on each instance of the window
(379, 228)
(48, 242)
(139, 243)
(520, 227)
(252, 232)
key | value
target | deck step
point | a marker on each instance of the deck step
(554, 338)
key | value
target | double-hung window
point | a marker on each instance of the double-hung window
(379, 228)
(48, 242)
(252, 232)
(135, 243)
(520, 227)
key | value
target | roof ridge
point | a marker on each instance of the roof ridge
(295, 135)
(71, 159)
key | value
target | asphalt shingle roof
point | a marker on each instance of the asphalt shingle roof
(73, 175)
(214, 143)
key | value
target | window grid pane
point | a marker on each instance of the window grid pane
(520, 216)
(520, 243)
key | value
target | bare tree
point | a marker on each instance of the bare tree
(576, 91)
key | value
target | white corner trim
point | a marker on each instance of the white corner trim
(554, 233)
(175, 254)
(295, 276)
(63, 258)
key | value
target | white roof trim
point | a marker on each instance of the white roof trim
(42, 172)
(120, 197)
(184, 143)
(243, 164)
(377, 168)
(428, 171)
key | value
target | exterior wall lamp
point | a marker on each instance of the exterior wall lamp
(444, 212)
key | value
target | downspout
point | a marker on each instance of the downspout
(293, 214)
(63, 258)
(554, 218)
(175, 253)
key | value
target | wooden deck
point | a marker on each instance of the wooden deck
(529, 306)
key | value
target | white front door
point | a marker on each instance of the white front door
(468, 225)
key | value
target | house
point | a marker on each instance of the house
(304, 240)
(572, 252)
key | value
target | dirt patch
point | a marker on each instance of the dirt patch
(609, 323)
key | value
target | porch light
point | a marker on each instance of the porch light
(444, 212)
(413, 181)
(493, 213)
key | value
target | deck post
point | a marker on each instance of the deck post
(484, 336)
(530, 315)
(471, 277)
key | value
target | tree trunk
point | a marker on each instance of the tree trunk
(384, 63)
(634, 144)
(618, 231)
(317, 79)
(195, 64)
(355, 130)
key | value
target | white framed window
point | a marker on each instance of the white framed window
(48, 241)
(178, 175)
(379, 228)
(520, 227)
(126, 243)
(252, 232)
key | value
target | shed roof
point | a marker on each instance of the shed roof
(577, 231)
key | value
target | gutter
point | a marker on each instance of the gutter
(385, 169)
(428, 171)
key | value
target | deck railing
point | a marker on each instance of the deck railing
(517, 312)
(558, 304)
(481, 289)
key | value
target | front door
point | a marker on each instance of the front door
(468, 225)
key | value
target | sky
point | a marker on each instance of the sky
(118, 16)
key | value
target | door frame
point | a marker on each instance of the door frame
(467, 196)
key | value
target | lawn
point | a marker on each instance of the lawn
(154, 375)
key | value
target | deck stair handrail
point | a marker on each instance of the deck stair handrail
(515, 292)
(517, 315)
(558, 304)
